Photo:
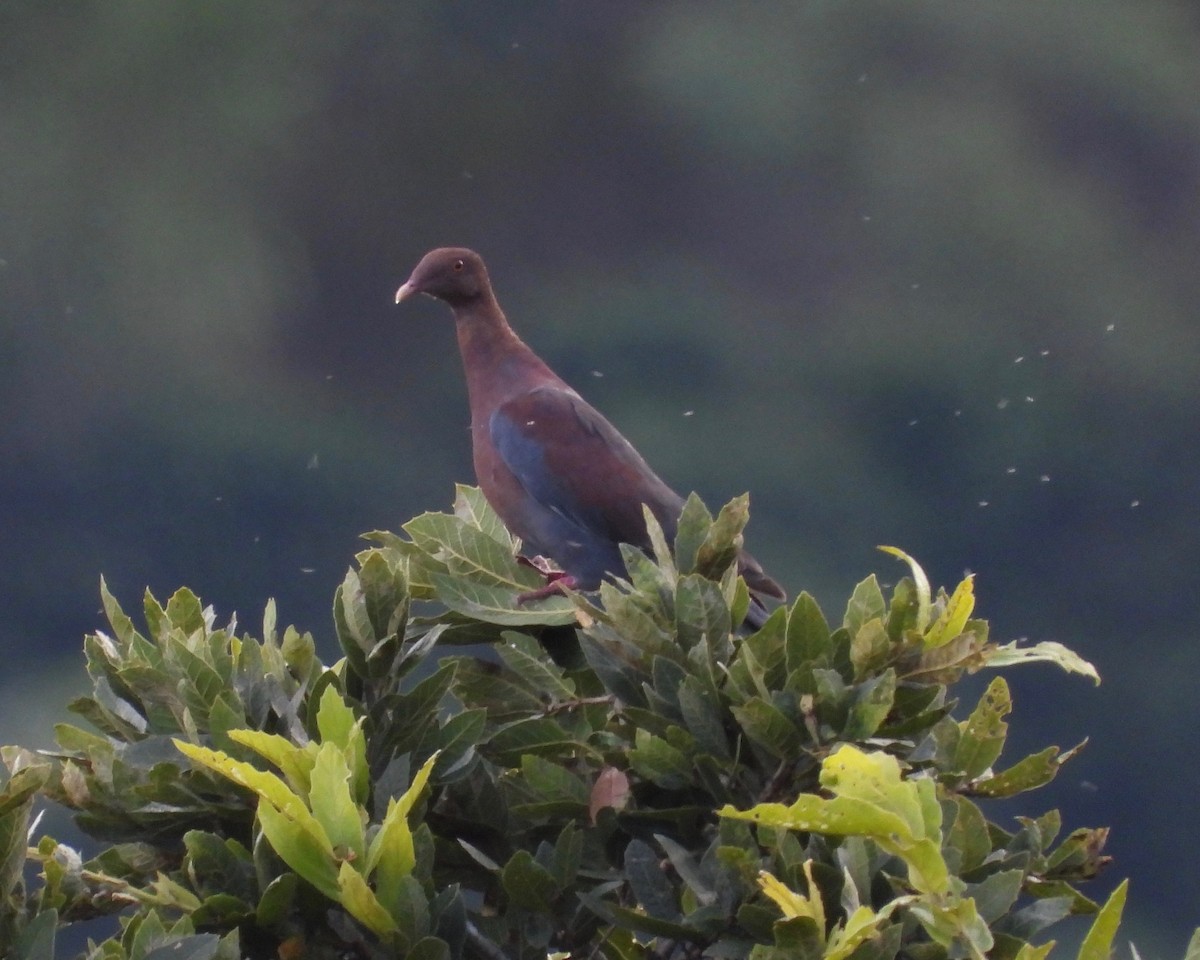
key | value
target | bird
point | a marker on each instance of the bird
(559, 475)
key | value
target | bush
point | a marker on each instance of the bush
(627, 778)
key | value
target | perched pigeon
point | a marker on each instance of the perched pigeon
(556, 471)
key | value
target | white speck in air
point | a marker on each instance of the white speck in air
(1002, 403)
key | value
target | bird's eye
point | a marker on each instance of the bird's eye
(458, 264)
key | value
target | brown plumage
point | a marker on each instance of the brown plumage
(561, 477)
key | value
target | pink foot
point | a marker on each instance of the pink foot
(556, 580)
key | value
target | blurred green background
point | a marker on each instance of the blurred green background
(923, 274)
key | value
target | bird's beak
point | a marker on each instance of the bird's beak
(406, 290)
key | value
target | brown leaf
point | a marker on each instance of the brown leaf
(611, 789)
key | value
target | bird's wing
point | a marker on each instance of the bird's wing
(575, 463)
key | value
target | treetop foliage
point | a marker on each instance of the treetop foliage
(622, 776)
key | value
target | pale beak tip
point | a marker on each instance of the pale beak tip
(404, 291)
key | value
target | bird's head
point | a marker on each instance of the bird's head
(453, 274)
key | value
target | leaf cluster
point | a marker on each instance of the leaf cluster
(627, 776)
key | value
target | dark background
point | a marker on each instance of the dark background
(923, 274)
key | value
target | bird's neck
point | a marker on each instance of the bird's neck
(497, 362)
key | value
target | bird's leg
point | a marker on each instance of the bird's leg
(556, 580)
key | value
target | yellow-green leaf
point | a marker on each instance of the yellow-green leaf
(841, 816)
(872, 800)
(1030, 952)
(335, 719)
(1097, 945)
(791, 903)
(294, 762)
(392, 854)
(268, 786)
(361, 902)
(410, 796)
(954, 616)
(332, 804)
(303, 846)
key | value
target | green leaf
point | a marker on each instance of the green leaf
(471, 506)
(1097, 944)
(455, 741)
(967, 834)
(353, 622)
(429, 948)
(385, 591)
(550, 781)
(1034, 771)
(694, 523)
(766, 725)
(870, 647)
(721, 544)
(902, 611)
(121, 624)
(531, 735)
(648, 882)
(866, 604)
(36, 941)
(184, 611)
(872, 703)
(658, 543)
(924, 596)
(529, 884)
(655, 759)
(498, 603)
(953, 924)
(702, 616)
(526, 658)
(702, 717)
(984, 732)
(995, 895)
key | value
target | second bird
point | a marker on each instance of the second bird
(560, 476)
